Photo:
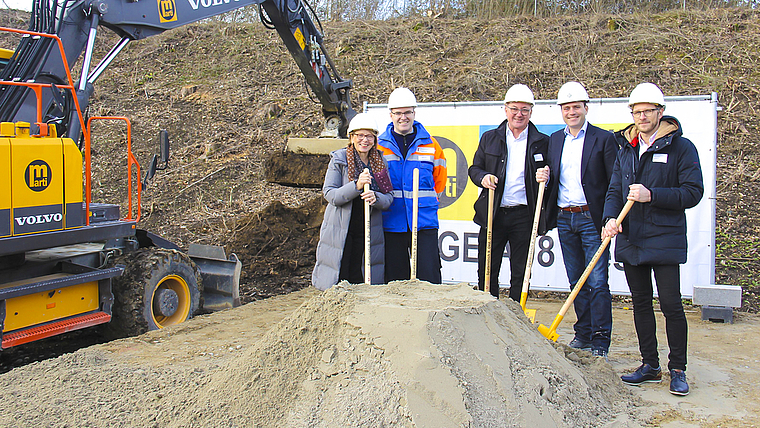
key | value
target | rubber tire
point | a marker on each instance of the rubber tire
(146, 270)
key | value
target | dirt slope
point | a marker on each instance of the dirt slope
(230, 95)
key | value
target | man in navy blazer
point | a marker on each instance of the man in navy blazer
(580, 160)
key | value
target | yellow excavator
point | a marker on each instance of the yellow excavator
(66, 262)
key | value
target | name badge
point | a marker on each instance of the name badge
(426, 150)
(660, 158)
(538, 157)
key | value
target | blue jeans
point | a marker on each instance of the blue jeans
(580, 240)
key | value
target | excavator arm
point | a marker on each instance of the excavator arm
(77, 22)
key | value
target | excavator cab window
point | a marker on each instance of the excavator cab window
(5, 57)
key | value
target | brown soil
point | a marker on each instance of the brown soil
(294, 169)
(277, 246)
(229, 120)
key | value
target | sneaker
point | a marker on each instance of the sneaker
(645, 373)
(600, 353)
(678, 385)
(580, 344)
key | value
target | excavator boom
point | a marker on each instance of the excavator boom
(77, 24)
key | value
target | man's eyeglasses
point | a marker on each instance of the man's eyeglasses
(407, 113)
(515, 110)
(365, 137)
(647, 112)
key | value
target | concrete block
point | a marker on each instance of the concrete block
(717, 295)
(718, 314)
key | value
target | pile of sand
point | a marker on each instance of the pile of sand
(403, 354)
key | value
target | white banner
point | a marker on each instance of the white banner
(458, 127)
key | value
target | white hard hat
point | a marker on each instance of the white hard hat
(646, 93)
(519, 93)
(363, 121)
(572, 92)
(402, 97)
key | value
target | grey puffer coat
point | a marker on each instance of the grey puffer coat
(340, 193)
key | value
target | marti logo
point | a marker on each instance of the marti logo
(38, 175)
(167, 10)
(456, 169)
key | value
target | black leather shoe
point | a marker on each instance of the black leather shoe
(580, 344)
(678, 385)
(645, 373)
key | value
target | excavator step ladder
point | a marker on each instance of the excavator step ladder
(54, 328)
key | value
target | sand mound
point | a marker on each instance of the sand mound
(403, 354)
(410, 354)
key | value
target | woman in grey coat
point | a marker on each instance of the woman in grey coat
(340, 252)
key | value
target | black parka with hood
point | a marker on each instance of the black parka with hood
(654, 233)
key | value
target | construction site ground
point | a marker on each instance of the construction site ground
(142, 376)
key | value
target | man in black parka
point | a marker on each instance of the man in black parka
(658, 169)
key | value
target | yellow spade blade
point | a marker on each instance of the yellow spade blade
(531, 314)
(548, 333)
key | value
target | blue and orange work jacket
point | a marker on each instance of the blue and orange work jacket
(426, 154)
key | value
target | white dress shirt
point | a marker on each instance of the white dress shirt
(644, 145)
(514, 186)
(570, 185)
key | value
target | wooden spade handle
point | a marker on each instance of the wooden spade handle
(489, 242)
(415, 213)
(532, 247)
(367, 261)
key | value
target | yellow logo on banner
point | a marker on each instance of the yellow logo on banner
(167, 11)
(613, 127)
(459, 144)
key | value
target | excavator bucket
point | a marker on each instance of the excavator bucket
(220, 276)
(303, 162)
(315, 146)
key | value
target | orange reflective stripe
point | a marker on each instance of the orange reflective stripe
(439, 171)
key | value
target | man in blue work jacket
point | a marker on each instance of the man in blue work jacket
(407, 145)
